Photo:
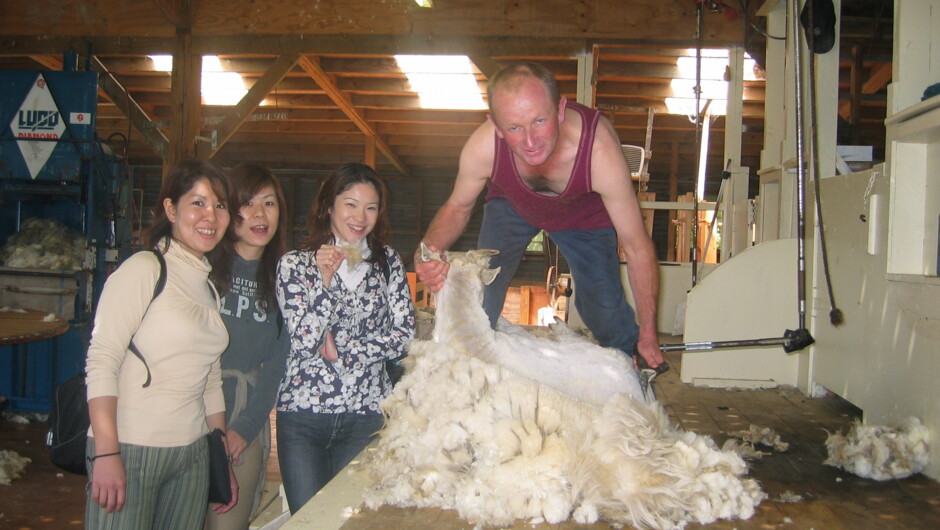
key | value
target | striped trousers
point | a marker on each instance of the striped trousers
(167, 488)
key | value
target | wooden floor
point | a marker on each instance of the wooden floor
(831, 499)
(45, 497)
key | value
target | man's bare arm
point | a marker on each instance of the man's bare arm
(611, 179)
(476, 164)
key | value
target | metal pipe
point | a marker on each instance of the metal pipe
(699, 15)
(800, 163)
(792, 340)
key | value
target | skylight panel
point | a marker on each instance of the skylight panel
(443, 81)
(218, 86)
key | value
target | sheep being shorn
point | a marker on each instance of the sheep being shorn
(502, 425)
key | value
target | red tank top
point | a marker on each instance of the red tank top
(577, 208)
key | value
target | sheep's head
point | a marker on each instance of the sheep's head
(478, 259)
(469, 272)
(475, 259)
(460, 321)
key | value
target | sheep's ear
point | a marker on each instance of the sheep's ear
(489, 275)
(481, 257)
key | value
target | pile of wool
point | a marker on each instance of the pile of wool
(744, 442)
(11, 466)
(571, 438)
(44, 244)
(881, 452)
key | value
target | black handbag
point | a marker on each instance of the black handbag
(68, 425)
(220, 487)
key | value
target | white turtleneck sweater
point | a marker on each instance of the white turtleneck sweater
(181, 337)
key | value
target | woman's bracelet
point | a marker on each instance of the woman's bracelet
(96, 457)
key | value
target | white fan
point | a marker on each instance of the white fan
(636, 159)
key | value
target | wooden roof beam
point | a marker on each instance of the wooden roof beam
(234, 118)
(50, 62)
(878, 78)
(321, 44)
(123, 100)
(178, 12)
(339, 98)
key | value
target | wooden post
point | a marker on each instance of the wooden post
(684, 231)
(704, 222)
(525, 299)
(185, 100)
(646, 212)
(673, 197)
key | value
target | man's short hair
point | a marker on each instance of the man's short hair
(515, 72)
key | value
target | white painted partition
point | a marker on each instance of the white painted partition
(751, 296)
(885, 358)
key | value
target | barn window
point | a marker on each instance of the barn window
(713, 80)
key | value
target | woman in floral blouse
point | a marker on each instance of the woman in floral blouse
(348, 309)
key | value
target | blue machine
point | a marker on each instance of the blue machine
(52, 166)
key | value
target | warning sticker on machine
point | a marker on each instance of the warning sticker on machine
(37, 119)
(80, 118)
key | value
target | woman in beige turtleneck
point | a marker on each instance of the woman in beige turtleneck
(147, 454)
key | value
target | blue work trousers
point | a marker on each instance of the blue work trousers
(595, 267)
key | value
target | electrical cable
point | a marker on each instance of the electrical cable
(745, 4)
(836, 316)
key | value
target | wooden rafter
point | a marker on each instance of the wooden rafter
(486, 65)
(339, 98)
(51, 62)
(236, 117)
(118, 95)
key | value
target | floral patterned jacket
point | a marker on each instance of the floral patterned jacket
(371, 324)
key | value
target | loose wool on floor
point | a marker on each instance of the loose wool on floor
(503, 426)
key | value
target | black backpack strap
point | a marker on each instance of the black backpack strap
(157, 289)
(161, 280)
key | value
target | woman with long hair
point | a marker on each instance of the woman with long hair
(147, 451)
(243, 268)
(348, 309)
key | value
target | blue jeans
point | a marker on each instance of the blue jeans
(313, 447)
(595, 267)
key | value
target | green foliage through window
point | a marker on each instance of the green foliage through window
(537, 245)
